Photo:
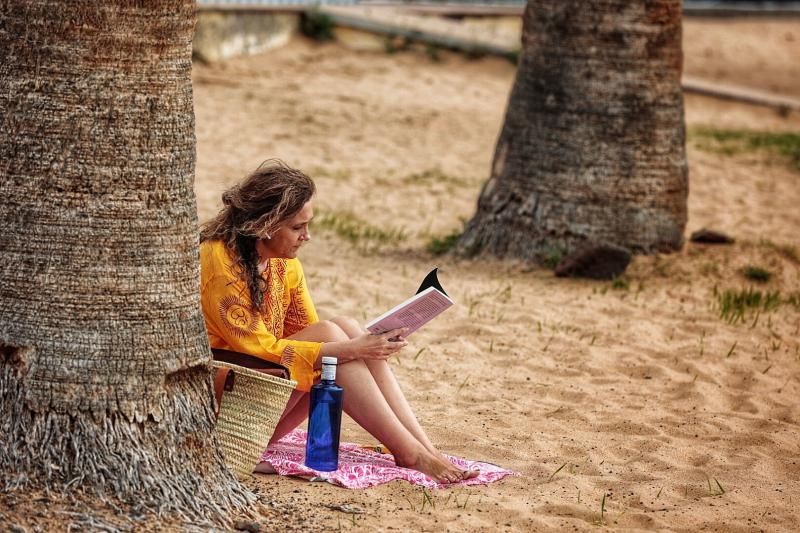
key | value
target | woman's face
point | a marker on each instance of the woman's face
(292, 233)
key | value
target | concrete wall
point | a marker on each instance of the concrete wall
(222, 34)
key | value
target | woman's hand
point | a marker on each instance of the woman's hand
(372, 346)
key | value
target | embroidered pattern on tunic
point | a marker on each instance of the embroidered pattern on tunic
(287, 357)
(233, 324)
(274, 309)
(237, 317)
(297, 317)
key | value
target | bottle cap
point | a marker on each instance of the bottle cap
(328, 368)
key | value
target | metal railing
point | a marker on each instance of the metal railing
(698, 7)
(260, 3)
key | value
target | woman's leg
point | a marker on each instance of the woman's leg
(365, 403)
(387, 383)
(296, 411)
(391, 391)
(297, 407)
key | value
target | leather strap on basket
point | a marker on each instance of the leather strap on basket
(223, 381)
(251, 362)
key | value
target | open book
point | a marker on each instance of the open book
(417, 311)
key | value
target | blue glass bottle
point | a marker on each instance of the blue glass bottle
(324, 420)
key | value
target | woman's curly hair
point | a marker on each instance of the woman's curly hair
(253, 210)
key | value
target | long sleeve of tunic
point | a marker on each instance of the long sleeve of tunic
(233, 325)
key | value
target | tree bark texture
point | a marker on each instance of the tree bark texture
(593, 145)
(104, 359)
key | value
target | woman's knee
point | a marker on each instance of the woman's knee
(331, 331)
(322, 331)
(349, 325)
(351, 366)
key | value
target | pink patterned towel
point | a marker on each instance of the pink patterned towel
(360, 468)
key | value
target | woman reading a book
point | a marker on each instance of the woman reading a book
(255, 301)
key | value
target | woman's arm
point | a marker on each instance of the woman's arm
(366, 346)
(232, 325)
(356, 343)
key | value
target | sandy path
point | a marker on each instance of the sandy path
(644, 393)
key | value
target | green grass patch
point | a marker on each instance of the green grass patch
(710, 268)
(756, 273)
(317, 25)
(551, 256)
(363, 234)
(433, 175)
(793, 300)
(731, 142)
(734, 305)
(442, 245)
(620, 283)
(513, 57)
(433, 52)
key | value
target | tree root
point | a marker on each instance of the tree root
(171, 467)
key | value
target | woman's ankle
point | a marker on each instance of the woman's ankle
(410, 457)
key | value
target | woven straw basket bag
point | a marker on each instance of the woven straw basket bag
(248, 414)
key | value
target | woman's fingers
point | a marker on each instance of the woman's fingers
(380, 346)
(395, 335)
(393, 346)
(387, 348)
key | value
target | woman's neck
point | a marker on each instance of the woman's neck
(263, 256)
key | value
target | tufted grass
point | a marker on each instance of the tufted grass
(734, 304)
(731, 142)
(361, 233)
(756, 273)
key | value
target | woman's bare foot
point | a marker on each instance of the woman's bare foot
(469, 474)
(439, 469)
(465, 474)
(431, 466)
(264, 468)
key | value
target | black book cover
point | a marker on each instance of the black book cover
(431, 280)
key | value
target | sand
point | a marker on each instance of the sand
(638, 396)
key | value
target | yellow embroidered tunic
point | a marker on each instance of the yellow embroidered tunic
(232, 325)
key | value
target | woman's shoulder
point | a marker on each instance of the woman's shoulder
(215, 259)
(213, 251)
(294, 272)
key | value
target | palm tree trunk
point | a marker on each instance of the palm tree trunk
(104, 360)
(593, 145)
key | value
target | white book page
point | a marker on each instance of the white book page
(413, 313)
